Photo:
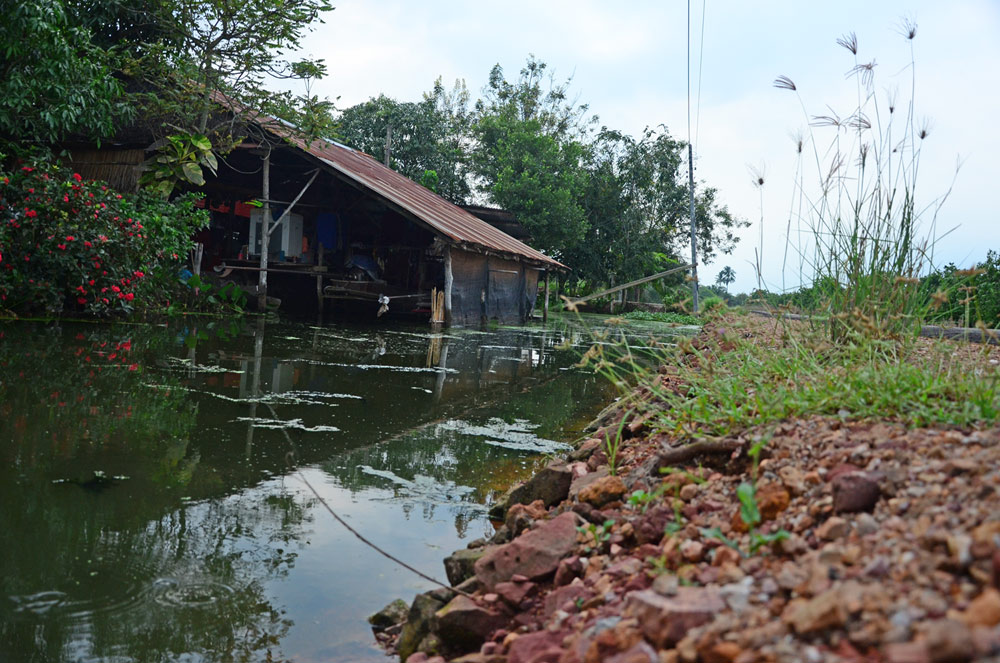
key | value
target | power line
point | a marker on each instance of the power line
(701, 53)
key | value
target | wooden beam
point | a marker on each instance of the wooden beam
(288, 210)
(545, 310)
(619, 288)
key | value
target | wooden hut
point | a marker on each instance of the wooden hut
(358, 233)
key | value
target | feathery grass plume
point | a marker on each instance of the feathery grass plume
(865, 221)
(784, 83)
(849, 41)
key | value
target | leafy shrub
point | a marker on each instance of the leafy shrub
(74, 245)
(676, 318)
(713, 304)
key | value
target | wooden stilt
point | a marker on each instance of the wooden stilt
(448, 282)
(545, 309)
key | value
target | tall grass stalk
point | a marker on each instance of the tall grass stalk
(868, 253)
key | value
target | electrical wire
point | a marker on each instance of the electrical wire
(701, 53)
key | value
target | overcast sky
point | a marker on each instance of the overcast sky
(628, 62)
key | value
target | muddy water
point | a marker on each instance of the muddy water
(153, 504)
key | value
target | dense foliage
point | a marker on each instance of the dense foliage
(611, 206)
(72, 245)
(424, 137)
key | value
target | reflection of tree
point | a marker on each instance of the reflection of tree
(95, 568)
(431, 463)
(191, 582)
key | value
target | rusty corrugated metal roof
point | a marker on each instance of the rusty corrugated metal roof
(442, 216)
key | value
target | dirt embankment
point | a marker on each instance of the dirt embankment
(867, 541)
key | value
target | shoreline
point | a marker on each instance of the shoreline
(873, 542)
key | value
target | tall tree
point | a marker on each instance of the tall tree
(726, 276)
(637, 209)
(426, 136)
(529, 152)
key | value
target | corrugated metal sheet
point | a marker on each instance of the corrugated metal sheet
(442, 216)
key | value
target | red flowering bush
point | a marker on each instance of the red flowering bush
(73, 245)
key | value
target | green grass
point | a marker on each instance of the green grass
(740, 385)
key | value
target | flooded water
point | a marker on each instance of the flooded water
(153, 504)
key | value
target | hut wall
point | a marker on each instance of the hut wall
(488, 288)
(121, 169)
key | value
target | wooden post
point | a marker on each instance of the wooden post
(264, 235)
(434, 306)
(448, 282)
(319, 280)
(545, 310)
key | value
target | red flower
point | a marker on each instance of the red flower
(76, 176)
(133, 367)
(81, 300)
(129, 297)
(31, 213)
(61, 246)
(87, 244)
(69, 238)
(115, 288)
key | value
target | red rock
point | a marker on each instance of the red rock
(535, 554)
(557, 598)
(907, 652)
(536, 648)
(665, 621)
(520, 516)
(854, 492)
(463, 625)
(833, 529)
(515, 592)
(726, 555)
(602, 491)
(772, 499)
(843, 468)
(637, 653)
(984, 610)
(650, 528)
(569, 568)
(824, 611)
(949, 641)
(721, 652)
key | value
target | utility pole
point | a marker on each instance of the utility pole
(694, 235)
(388, 143)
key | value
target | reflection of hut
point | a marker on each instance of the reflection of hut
(357, 231)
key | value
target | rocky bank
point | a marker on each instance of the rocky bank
(876, 543)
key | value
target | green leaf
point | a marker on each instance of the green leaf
(748, 504)
(201, 142)
(192, 173)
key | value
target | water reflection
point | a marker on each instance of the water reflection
(149, 499)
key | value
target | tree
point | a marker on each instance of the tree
(54, 81)
(528, 155)
(637, 208)
(725, 277)
(210, 48)
(427, 136)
